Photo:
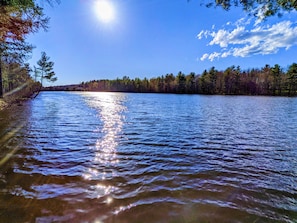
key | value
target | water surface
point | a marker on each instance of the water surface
(114, 157)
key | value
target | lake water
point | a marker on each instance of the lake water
(115, 157)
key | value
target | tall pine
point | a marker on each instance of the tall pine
(46, 68)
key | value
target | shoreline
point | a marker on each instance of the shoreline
(73, 89)
(23, 93)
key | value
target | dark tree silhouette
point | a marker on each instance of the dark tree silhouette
(255, 7)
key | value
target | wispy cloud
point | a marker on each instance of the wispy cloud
(239, 41)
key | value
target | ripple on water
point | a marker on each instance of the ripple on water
(111, 157)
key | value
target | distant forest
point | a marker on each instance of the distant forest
(232, 81)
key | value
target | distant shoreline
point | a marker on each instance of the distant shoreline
(268, 81)
(79, 88)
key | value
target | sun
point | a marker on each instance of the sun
(104, 10)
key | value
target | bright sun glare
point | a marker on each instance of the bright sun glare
(104, 10)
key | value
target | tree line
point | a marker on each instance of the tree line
(231, 81)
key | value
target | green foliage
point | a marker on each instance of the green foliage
(255, 7)
(23, 3)
(46, 68)
(17, 3)
(18, 20)
(181, 82)
(292, 79)
(231, 81)
(14, 75)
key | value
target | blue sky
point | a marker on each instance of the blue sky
(150, 38)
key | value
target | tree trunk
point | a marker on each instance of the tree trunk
(1, 86)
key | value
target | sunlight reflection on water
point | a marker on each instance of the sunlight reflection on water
(110, 111)
(113, 157)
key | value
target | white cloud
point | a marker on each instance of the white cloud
(214, 55)
(204, 57)
(240, 41)
(203, 33)
(200, 35)
(225, 54)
